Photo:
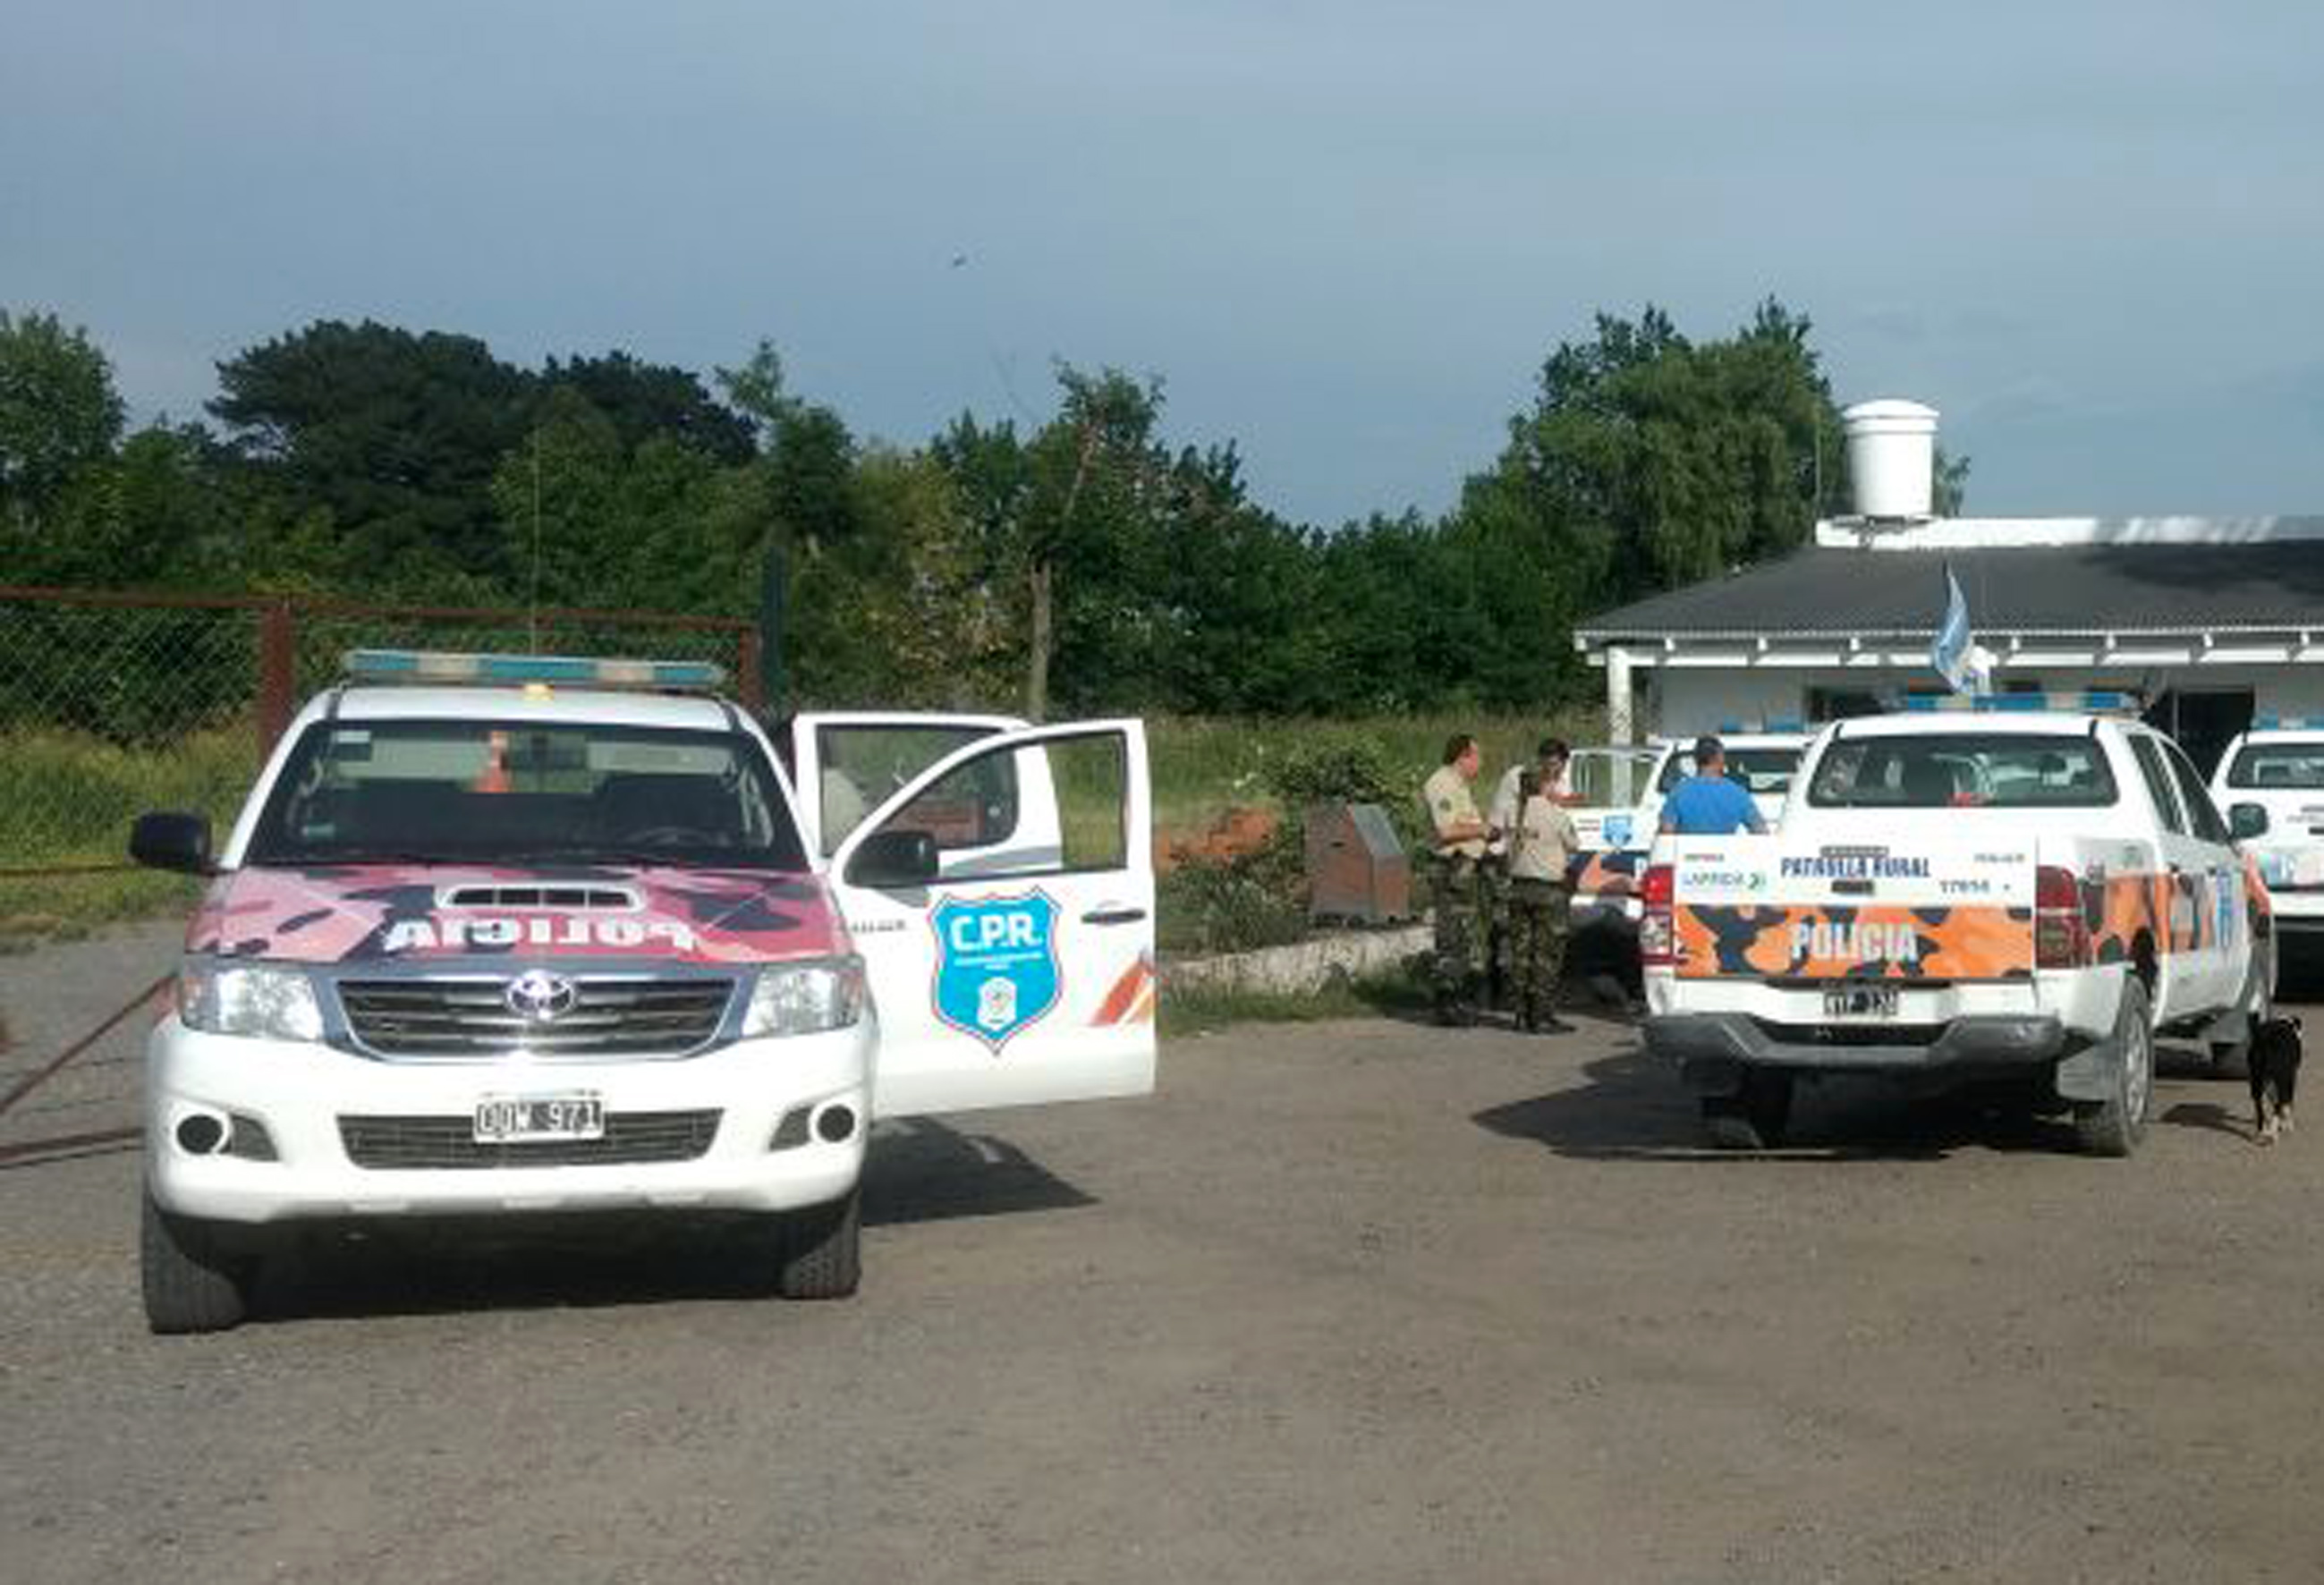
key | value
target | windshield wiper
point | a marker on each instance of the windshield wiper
(306, 859)
(610, 853)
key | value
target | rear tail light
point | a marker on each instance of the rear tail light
(1658, 934)
(2062, 934)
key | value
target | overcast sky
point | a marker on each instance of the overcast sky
(1345, 235)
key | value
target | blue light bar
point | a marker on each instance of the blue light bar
(433, 666)
(1732, 728)
(2084, 702)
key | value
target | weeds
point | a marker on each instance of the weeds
(1198, 1009)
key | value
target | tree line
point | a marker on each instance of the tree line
(1083, 563)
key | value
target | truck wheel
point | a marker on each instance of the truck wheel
(189, 1282)
(2113, 1127)
(1755, 1117)
(820, 1251)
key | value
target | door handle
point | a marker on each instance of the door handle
(1113, 916)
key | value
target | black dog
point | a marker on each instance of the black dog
(2275, 1063)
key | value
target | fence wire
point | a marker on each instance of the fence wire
(111, 706)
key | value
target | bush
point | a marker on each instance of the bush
(1232, 905)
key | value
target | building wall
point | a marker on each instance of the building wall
(1682, 701)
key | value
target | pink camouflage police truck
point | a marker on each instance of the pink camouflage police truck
(498, 936)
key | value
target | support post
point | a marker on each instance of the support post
(1620, 727)
(278, 652)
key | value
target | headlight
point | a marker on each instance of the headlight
(248, 999)
(806, 999)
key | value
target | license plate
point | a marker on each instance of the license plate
(503, 1118)
(1860, 1002)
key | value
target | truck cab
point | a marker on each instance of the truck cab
(2270, 784)
(534, 935)
(1959, 895)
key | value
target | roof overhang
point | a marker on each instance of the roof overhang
(1908, 649)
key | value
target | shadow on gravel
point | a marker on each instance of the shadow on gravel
(918, 1171)
(2206, 1116)
(922, 1171)
(1632, 1109)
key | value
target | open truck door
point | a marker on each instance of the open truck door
(1002, 901)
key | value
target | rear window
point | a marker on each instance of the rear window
(1963, 770)
(1609, 778)
(2286, 764)
(1758, 771)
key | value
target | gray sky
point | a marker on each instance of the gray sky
(1345, 235)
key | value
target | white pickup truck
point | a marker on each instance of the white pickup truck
(510, 935)
(1615, 836)
(2271, 783)
(1955, 897)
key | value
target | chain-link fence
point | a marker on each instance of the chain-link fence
(112, 704)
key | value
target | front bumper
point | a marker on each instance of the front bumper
(1713, 1052)
(299, 1094)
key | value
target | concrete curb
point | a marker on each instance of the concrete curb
(1304, 966)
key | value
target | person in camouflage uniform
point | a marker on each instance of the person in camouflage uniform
(1457, 850)
(1540, 895)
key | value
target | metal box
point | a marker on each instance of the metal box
(1356, 868)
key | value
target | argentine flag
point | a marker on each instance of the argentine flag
(1948, 652)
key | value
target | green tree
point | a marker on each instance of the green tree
(60, 417)
(397, 436)
(1647, 461)
(643, 401)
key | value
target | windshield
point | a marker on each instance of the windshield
(1963, 770)
(509, 792)
(1611, 778)
(1758, 771)
(2298, 765)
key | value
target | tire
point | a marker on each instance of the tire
(820, 1251)
(191, 1284)
(2230, 1058)
(2113, 1127)
(1754, 1117)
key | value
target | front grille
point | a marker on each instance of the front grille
(610, 1016)
(423, 1143)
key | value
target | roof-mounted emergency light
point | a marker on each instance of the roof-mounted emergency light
(433, 666)
(2089, 702)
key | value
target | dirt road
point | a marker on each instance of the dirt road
(1358, 1302)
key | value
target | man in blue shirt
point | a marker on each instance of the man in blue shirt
(1707, 804)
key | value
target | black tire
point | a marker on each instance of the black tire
(2114, 1127)
(1754, 1117)
(191, 1282)
(820, 1252)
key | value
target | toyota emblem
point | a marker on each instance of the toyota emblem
(537, 996)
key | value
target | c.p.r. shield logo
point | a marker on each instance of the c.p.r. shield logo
(996, 964)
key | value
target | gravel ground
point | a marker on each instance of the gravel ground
(1358, 1302)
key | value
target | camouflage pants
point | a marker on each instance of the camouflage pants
(1493, 910)
(1537, 924)
(1454, 894)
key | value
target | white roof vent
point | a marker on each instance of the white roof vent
(1892, 459)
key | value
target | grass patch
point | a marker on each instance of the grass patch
(1205, 765)
(1197, 1010)
(69, 799)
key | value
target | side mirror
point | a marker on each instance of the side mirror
(172, 842)
(895, 858)
(2246, 821)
